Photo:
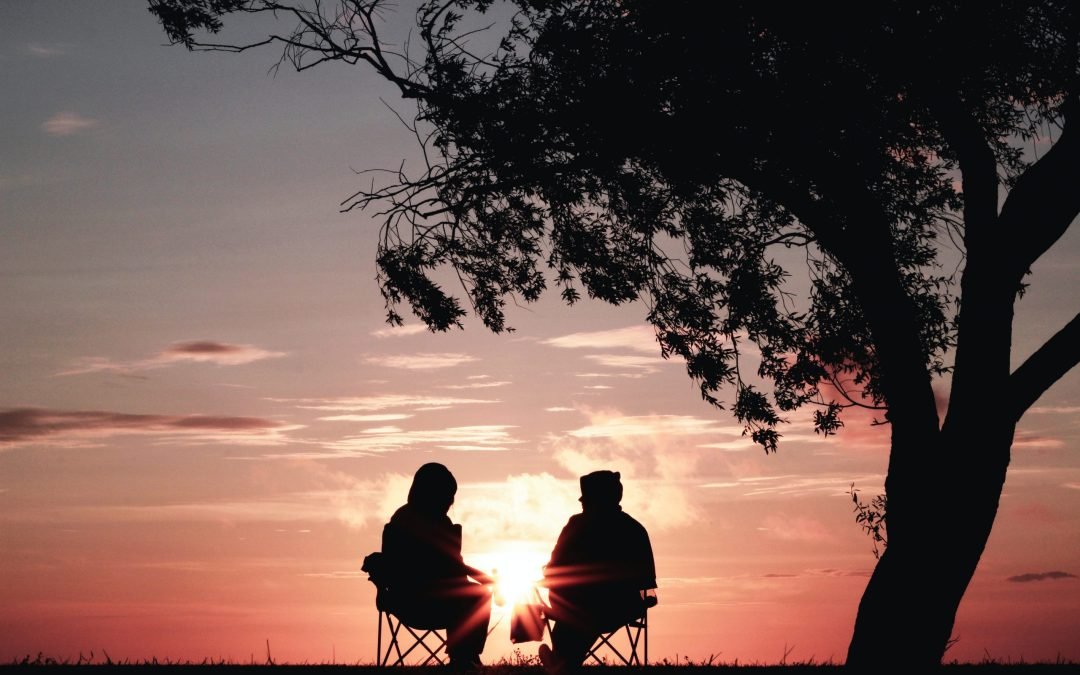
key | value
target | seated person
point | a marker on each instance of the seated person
(600, 565)
(427, 579)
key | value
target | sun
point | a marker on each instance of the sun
(517, 568)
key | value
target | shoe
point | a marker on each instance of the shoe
(551, 662)
(470, 664)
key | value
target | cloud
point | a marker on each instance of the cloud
(81, 428)
(606, 424)
(199, 351)
(1040, 576)
(44, 51)
(527, 508)
(372, 500)
(791, 485)
(477, 385)
(375, 440)
(795, 528)
(639, 338)
(524, 509)
(559, 408)
(1054, 410)
(737, 445)
(657, 464)
(421, 361)
(401, 331)
(388, 417)
(206, 351)
(381, 402)
(646, 364)
(1032, 441)
(299, 508)
(67, 124)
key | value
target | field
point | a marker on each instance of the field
(503, 668)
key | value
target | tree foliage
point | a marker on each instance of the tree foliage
(664, 152)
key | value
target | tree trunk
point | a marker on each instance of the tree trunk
(943, 491)
(907, 612)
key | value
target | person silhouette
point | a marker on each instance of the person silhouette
(601, 564)
(427, 579)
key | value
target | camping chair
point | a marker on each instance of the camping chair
(636, 630)
(431, 639)
(636, 644)
(436, 651)
(398, 647)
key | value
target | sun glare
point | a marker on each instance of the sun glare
(516, 568)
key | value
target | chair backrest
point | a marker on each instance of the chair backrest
(403, 639)
(392, 570)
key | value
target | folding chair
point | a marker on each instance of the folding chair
(374, 565)
(636, 631)
(436, 651)
(637, 638)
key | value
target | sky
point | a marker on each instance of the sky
(205, 421)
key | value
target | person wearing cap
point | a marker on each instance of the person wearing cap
(600, 565)
(429, 581)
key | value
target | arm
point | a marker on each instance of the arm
(555, 570)
(479, 575)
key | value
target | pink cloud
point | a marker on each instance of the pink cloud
(198, 351)
(1054, 410)
(424, 361)
(796, 528)
(637, 338)
(400, 331)
(352, 404)
(220, 353)
(1041, 576)
(67, 124)
(21, 426)
(477, 384)
(1033, 441)
(487, 437)
(610, 424)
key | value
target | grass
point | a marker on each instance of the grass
(518, 664)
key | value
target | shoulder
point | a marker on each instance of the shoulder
(631, 523)
(574, 525)
(576, 522)
(404, 512)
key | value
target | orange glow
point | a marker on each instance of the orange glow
(517, 568)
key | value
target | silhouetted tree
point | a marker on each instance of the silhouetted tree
(669, 151)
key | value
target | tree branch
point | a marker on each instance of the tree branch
(1045, 200)
(978, 166)
(1045, 367)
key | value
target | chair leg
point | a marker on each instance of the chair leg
(396, 644)
(637, 637)
(421, 642)
(605, 641)
(393, 643)
(633, 637)
(645, 626)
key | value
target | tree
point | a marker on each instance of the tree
(667, 151)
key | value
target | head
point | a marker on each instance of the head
(433, 488)
(601, 489)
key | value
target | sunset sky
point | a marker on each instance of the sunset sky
(204, 420)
